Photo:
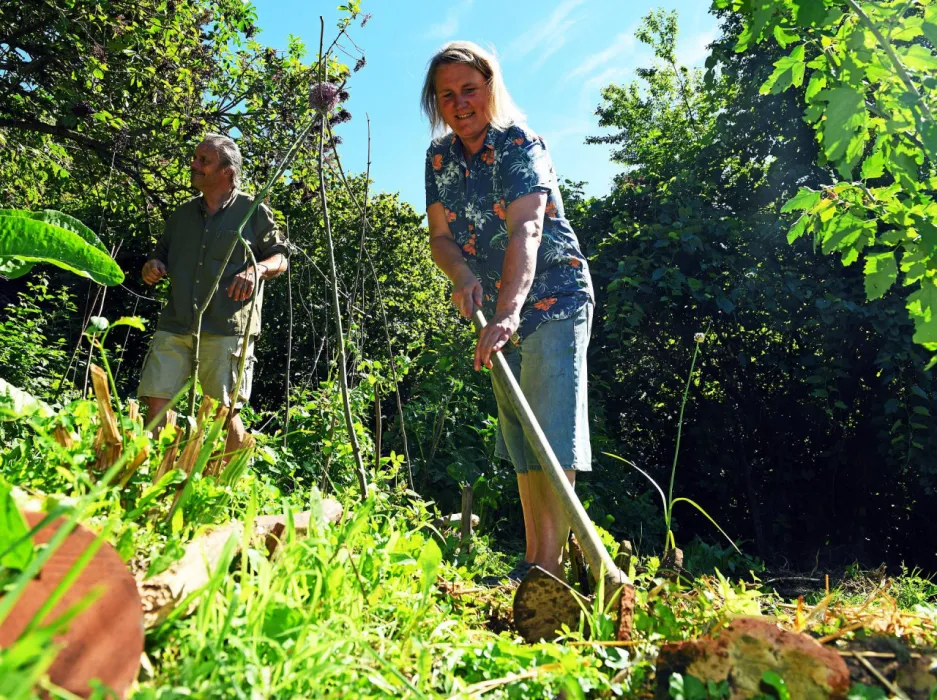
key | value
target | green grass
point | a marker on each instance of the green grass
(370, 607)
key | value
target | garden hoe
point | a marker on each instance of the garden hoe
(543, 603)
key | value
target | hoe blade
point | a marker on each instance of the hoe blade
(543, 604)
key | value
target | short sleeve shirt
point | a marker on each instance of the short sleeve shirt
(476, 194)
(193, 247)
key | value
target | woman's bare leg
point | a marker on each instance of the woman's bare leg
(552, 527)
(530, 526)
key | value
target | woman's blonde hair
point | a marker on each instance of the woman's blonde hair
(501, 107)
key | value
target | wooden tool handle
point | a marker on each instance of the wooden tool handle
(592, 547)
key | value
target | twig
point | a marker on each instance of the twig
(289, 339)
(892, 688)
(390, 347)
(343, 376)
(485, 686)
(895, 60)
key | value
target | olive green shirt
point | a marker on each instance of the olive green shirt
(193, 247)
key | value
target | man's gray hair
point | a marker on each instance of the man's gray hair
(229, 154)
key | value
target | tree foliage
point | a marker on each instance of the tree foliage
(800, 381)
(869, 95)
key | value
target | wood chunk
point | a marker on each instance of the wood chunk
(623, 558)
(196, 438)
(746, 649)
(105, 641)
(63, 437)
(625, 614)
(133, 411)
(169, 457)
(102, 393)
(577, 565)
(331, 511)
(466, 521)
(162, 593)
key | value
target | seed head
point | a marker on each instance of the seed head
(341, 116)
(323, 97)
(699, 337)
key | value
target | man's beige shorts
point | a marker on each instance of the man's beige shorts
(168, 366)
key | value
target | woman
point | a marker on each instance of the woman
(498, 231)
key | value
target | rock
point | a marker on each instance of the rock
(746, 649)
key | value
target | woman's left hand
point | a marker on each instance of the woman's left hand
(495, 336)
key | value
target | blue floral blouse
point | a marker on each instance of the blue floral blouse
(476, 195)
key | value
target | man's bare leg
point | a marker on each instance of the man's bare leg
(236, 436)
(153, 406)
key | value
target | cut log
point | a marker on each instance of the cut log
(745, 650)
(163, 593)
(105, 640)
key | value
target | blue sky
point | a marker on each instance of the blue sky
(556, 56)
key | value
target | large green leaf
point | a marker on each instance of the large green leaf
(57, 218)
(53, 237)
(846, 115)
(16, 550)
(881, 271)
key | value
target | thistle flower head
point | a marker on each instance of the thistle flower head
(323, 97)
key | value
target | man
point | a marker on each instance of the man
(191, 251)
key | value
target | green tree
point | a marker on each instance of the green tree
(866, 76)
(799, 377)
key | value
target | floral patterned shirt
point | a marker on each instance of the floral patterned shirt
(512, 163)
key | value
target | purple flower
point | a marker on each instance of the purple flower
(323, 97)
(341, 116)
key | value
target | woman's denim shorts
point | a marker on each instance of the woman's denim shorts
(550, 366)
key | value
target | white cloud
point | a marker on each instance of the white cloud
(600, 80)
(546, 37)
(449, 27)
(624, 43)
(694, 49)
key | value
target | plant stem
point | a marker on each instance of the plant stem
(289, 341)
(676, 452)
(336, 306)
(380, 299)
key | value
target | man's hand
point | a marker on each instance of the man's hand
(242, 286)
(495, 336)
(153, 271)
(467, 293)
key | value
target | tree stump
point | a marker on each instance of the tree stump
(105, 640)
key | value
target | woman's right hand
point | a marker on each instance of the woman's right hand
(467, 293)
